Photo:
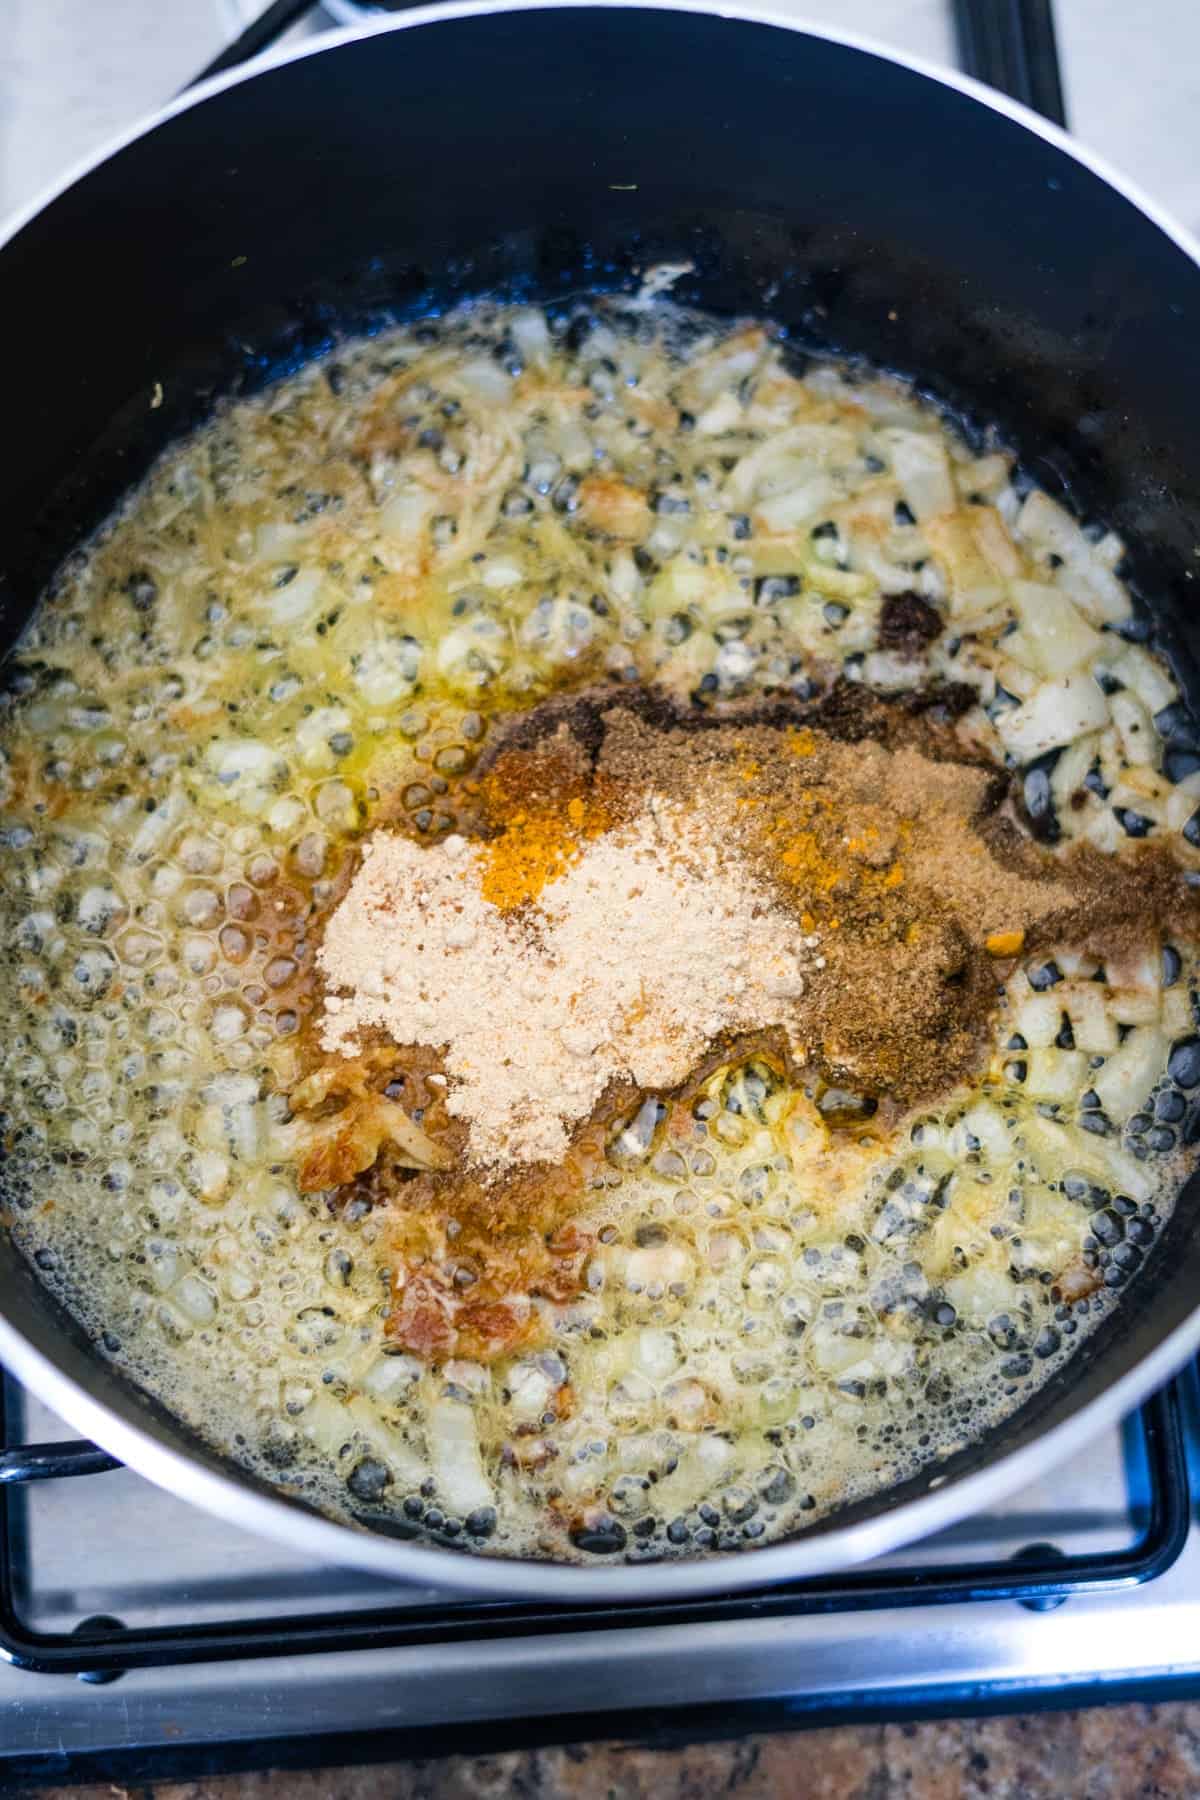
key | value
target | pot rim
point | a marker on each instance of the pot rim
(275, 1516)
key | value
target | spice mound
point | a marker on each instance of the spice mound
(633, 901)
(642, 889)
(648, 943)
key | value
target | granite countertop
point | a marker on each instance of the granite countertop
(1103, 1753)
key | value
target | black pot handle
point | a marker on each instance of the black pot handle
(1010, 44)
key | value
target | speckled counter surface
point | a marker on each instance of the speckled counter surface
(1116, 1753)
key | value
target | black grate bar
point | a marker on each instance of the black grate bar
(268, 28)
(259, 35)
(1043, 1576)
(54, 1462)
(1011, 45)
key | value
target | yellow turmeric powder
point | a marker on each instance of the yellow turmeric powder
(815, 854)
(534, 847)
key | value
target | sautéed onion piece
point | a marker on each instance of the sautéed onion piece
(302, 625)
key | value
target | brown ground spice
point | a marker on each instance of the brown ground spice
(896, 849)
(902, 850)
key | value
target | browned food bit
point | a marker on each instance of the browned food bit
(472, 1260)
(349, 1124)
(908, 624)
(614, 507)
(1077, 1281)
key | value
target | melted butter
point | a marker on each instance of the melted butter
(288, 629)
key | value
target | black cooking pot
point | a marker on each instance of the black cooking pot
(868, 206)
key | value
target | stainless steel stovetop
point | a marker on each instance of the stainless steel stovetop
(213, 1611)
(112, 1546)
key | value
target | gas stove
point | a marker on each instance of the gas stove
(145, 1638)
(141, 1638)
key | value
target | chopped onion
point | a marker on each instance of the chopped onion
(1058, 713)
(236, 759)
(723, 415)
(1178, 1018)
(986, 1122)
(297, 600)
(992, 536)
(890, 673)
(314, 732)
(785, 511)
(486, 380)
(1054, 637)
(1140, 967)
(922, 468)
(455, 1455)
(811, 444)
(1127, 1078)
(1087, 576)
(1092, 1024)
(657, 1353)
(1108, 550)
(1096, 590)
(1104, 831)
(1077, 962)
(407, 513)
(277, 539)
(973, 585)
(1039, 1019)
(1128, 796)
(1054, 1075)
(1183, 801)
(531, 335)
(698, 1473)
(390, 1377)
(1146, 676)
(979, 1293)
(387, 670)
(986, 475)
(532, 1391)
(842, 584)
(1134, 1005)
(1068, 775)
(1014, 677)
(623, 578)
(1049, 1231)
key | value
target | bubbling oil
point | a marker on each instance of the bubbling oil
(782, 1311)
